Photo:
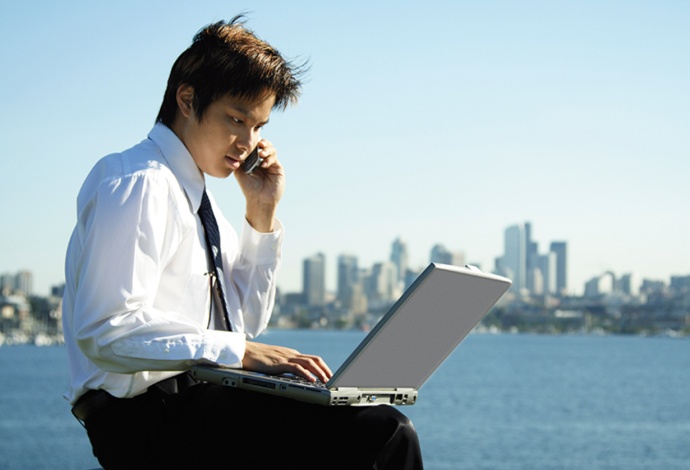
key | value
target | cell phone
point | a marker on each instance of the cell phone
(252, 161)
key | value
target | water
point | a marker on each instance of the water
(500, 402)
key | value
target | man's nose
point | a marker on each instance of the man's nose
(247, 142)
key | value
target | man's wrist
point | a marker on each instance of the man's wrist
(261, 217)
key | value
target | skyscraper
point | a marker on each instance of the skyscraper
(382, 285)
(561, 251)
(348, 277)
(513, 262)
(314, 280)
(546, 269)
(439, 254)
(399, 257)
(532, 261)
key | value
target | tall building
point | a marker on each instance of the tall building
(411, 275)
(382, 282)
(314, 280)
(348, 278)
(21, 282)
(546, 269)
(25, 282)
(513, 262)
(532, 262)
(561, 251)
(6, 283)
(600, 285)
(439, 254)
(532, 273)
(399, 257)
(680, 284)
(628, 284)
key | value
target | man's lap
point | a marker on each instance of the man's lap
(208, 425)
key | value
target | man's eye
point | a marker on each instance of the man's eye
(236, 120)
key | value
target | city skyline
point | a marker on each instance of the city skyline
(330, 269)
(439, 123)
(557, 251)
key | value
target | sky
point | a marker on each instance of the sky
(438, 122)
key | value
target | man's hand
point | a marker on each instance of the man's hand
(271, 359)
(263, 189)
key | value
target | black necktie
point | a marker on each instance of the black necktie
(208, 220)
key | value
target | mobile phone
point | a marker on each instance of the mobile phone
(252, 161)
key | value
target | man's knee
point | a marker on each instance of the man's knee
(401, 449)
(395, 423)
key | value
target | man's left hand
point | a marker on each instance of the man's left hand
(263, 189)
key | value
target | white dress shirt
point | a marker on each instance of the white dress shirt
(137, 302)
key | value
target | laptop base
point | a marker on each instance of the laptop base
(291, 388)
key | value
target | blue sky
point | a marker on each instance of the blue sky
(436, 122)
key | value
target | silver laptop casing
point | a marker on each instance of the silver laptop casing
(401, 352)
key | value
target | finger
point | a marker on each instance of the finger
(268, 153)
(314, 365)
(312, 374)
(323, 366)
(269, 159)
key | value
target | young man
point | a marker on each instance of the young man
(157, 281)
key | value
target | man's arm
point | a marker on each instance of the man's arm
(127, 234)
(263, 189)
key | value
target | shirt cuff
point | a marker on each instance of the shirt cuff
(261, 248)
(231, 353)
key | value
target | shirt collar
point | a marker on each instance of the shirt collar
(181, 163)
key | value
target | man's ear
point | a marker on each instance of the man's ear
(185, 100)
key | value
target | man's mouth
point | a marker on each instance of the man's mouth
(233, 162)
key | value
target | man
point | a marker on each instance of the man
(151, 291)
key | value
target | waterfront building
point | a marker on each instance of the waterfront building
(382, 283)
(314, 280)
(600, 285)
(628, 284)
(560, 249)
(21, 282)
(25, 282)
(513, 262)
(348, 279)
(399, 257)
(546, 268)
(439, 254)
(533, 271)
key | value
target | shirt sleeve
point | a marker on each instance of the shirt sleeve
(253, 278)
(128, 234)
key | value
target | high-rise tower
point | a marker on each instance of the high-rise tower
(561, 251)
(399, 257)
(314, 280)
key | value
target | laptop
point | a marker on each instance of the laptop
(400, 353)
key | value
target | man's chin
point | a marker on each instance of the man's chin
(221, 174)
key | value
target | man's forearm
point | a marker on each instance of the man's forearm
(261, 216)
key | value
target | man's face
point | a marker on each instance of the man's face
(226, 134)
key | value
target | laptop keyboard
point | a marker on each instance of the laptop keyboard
(294, 379)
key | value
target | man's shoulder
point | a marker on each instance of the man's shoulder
(120, 174)
(143, 160)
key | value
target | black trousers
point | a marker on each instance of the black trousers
(213, 426)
